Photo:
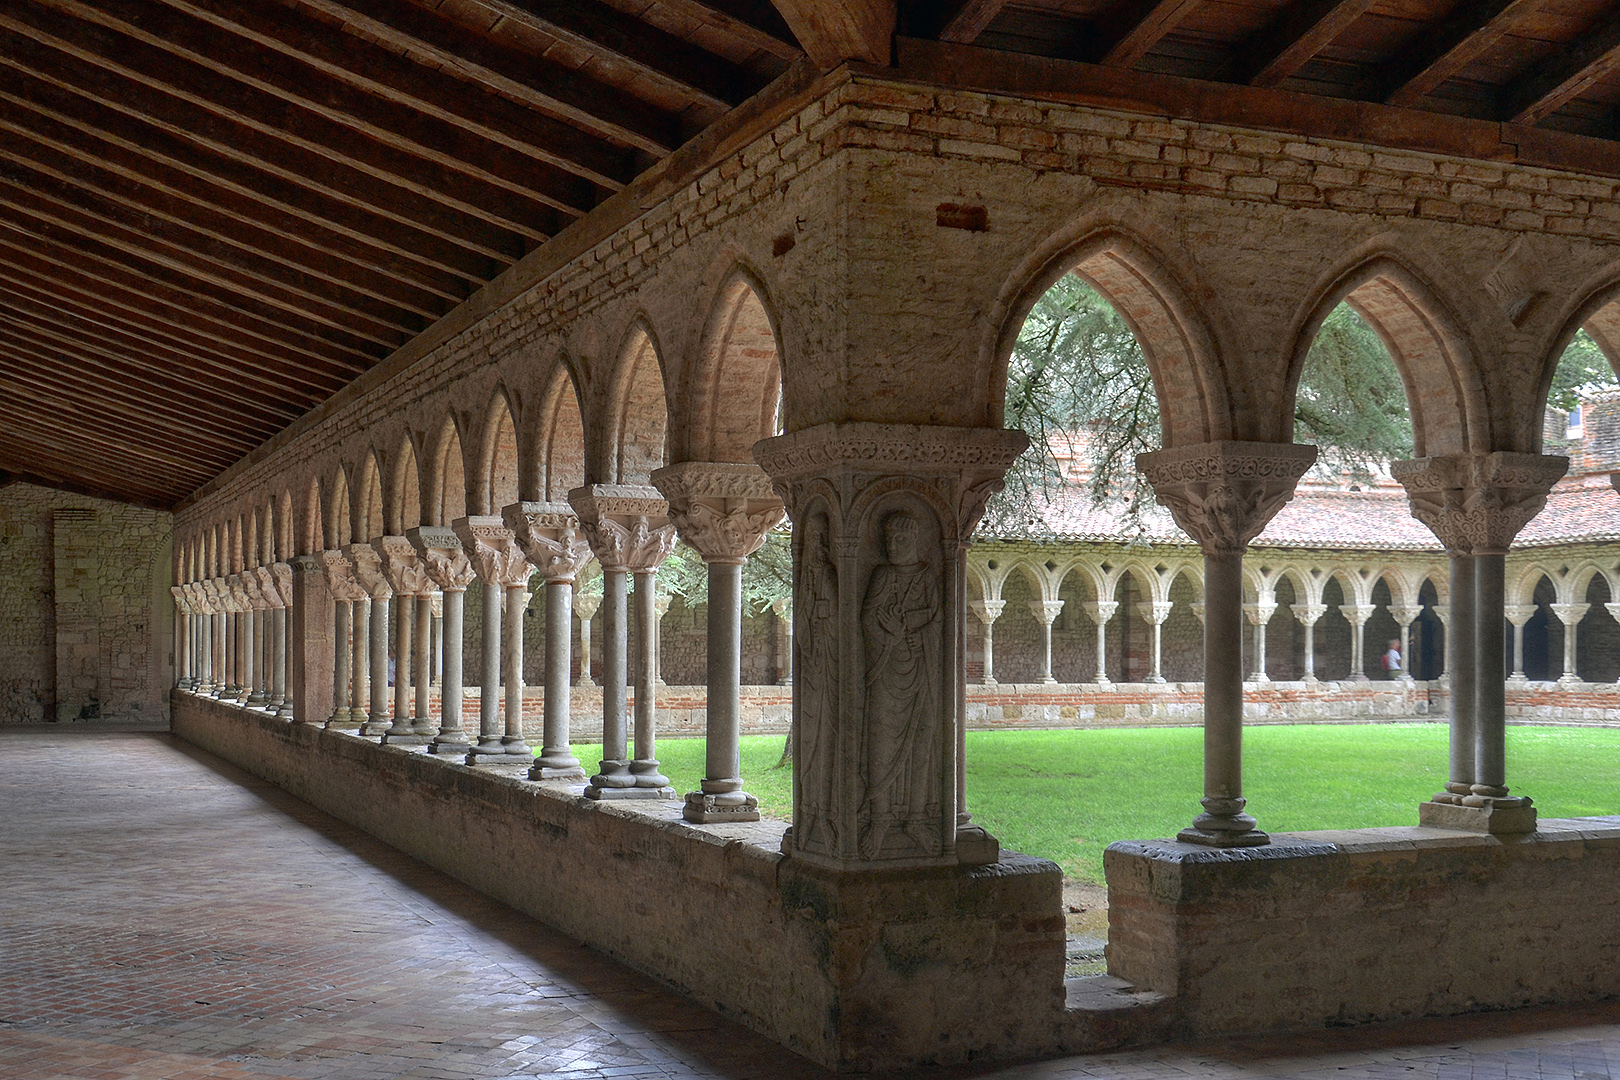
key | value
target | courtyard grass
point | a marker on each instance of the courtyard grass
(1066, 795)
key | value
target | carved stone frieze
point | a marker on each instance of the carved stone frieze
(493, 549)
(1222, 494)
(626, 525)
(368, 572)
(443, 559)
(1475, 504)
(724, 510)
(402, 566)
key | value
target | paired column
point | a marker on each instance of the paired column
(253, 640)
(408, 580)
(1046, 613)
(346, 591)
(1259, 615)
(502, 569)
(883, 515)
(1405, 615)
(987, 612)
(627, 527)
(586, 608)
(281, 582)
(724, 511)
(447, 567)
(1570, 615)
(1518, 615)
(1223, 494)
(182, 637)
(1357, 615)
(550, 536)
(1308, 615)
(372, 708)
(1476, 504)
(1100, 612)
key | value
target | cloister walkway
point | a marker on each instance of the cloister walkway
(164, 916)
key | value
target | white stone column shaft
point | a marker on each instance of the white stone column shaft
(512, 663)
(342, 635)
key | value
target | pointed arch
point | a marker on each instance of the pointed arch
(1181, 352)
(559, 446)
(1595, 310)
(638, 413)
(284, 538)
(311, 537)
(402, 492)
(336, 533)
(1435, 357)
(496, 481)
(446, 477)
(366, 499)
(733, 391)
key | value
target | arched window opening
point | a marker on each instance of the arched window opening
(562, 441)
(500, 460)
(1351, 404)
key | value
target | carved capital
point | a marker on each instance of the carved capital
(402, 567)
(340, 577)
(283, 574)
(182, 602)
(493, 551)
(1308, 614)
(1223, 494)
(1519, 614)
(252, 597)
(268, 593)
(724, 510)
(1475, 504)
(551, 536)
(586, 607)
(443, 559)
(368, 570)
(987, 611)
(1159, 610)
(1099, 611)
(1357, 614)
(1046, 611)
(1405, 614)
(1259, 614)
(1570, 614)
(235, 595)
(626, 525)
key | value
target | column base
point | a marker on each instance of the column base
(1495, 818)
(1103, 682)
(450, 744)
(705, 809)
(615, 794)
(403, 738)
(646, 774)
(1048, 680)
(1222, 838)
(515, 746)
(375, 728)
(342, 722)
(256, 699)
(982, 682)
(541, 771)
(486, 753)
(284, 711)
(975, 847)
(1569, 682)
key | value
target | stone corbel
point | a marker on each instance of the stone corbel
(724, 510)
(1475, 504)
(1223, 494)
(443, 560)
(626, 525)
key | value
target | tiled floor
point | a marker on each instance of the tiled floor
(165, 917)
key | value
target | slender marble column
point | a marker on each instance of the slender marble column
(1155, 614)
(342, 637)
(613, 774)
(360, 666)
(229, 686)
(451, 739)
(489, 681)
(1462, 635)
(988, 611)
(1308, 614)
(1518, 615)
(1259, 615)
(403, 730)
(512, 740)
(645, 765)
(222, 646)
(437, 636)
(422, 669)
(493, 550)
(1490, 693)
(550, 536)
(1100, 611)
(1223, 494)
(1046, 613)
(1443, 613)
(281, 691)
(255, 640)
(1570, 615)
(447, 566)
(783, 610)
(371, 645)
(586, 608)
(1357, 615)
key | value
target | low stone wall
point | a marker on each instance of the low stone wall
(855, 971)
(1332, 928)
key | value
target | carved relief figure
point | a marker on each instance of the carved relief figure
(899, 627)
(817, 680)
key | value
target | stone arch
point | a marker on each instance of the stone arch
(1306, 589)
(634, 436)
(495, 481)
(1083, 569)
(1181, 352)
(366, 499)
(554, 447)
(311, 534)
(1580, 580)
(402, 492)
(1400, 587)
(1435, 357)
(733, 390)
(284, 538)
(1521, 588)
(1597, 311)
(445, 487)
(337, 511)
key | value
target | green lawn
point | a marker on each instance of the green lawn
(1066, 795)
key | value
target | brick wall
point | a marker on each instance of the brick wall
(85, 615)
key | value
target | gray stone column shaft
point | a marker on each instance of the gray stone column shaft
(230, 681)
(1460, 651)
(248, 647)
(615, 664)
(422, 669)
(1518, 650)
(1223, 678)
(1157, 674)
(722, 762)
(342, 637)
(221, 649)
(556, 757)
(378, 719)
(437, 631)
(645, 765)
(451, 640)
(1490, 688)
(278, 642)
(989, 676)
(1310, 650)
(404, 630)
(1260, 653)
(585, 678)
(489, 682)
(358, 670)
(1102, 650)
(512, 664)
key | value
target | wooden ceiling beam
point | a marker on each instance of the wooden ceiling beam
(1438, 53)
(539, 83)
(1304, 29)
(53, 117)
(132, 492)
(75, 427)
(204, 228)
(833, 31)
(378, 72)
(1546, 87)
(403, 130)
(97, 283)
(136, 459)
(752, 22)
(969, 20)
(234, 118)
(60, 241)
(1129, 29)
(621, 40)
(160, 242)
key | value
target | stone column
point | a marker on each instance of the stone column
(586, 608)
(550, 536)
(883, 516)
(783, 609)
(345, 591)
(436, 635)
(282, 575)
(1476, 504)
(661, 602)
(627, 528)
(368, 574)
(1443, 613)
(264, 582)
(253, 643)
(408, 579)
(233, 660)
(1308, 615)
(1100, 612)
(1357, 615)
(1518, 615)
(500, 566)
(1223, 494)
(987, 612)
(1046, 613)
(448, 568)
(1155, 614)
(1570, 615)
(208, 603)
(1404, 615)
(311, 645)
(724, 511)
(182, 630)
(219, 640)
(1259, 615)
